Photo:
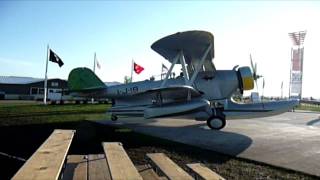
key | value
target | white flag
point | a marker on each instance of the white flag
(98, 65)
(164, 68)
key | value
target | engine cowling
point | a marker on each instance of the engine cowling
(246, 81)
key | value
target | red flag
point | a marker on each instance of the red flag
(137, 68)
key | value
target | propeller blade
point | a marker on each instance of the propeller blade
(251, 63)
(255, 69)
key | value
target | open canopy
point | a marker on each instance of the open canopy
(192, 43)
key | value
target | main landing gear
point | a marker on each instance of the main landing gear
(217, 121)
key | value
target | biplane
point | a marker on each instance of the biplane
(201, 90)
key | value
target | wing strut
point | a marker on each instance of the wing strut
(200, 65)
(180, 57)
(184, 68)
(174, 62)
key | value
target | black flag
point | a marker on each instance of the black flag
(53, 57)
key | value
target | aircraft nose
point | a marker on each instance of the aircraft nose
(245, 78)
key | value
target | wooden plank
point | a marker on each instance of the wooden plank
(76, 168)
(170, 169)
(120, 165)
(147, 172)
(47, 161)
(98, 168)
(204, 172)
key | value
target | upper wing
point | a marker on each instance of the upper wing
(193, 44)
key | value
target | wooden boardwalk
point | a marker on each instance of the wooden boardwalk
(50, 162)
(47, 161)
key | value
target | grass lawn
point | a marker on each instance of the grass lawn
(33, 113)
(308, 107)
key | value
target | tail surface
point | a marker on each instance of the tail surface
(82, 79)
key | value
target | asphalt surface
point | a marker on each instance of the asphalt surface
(290, 140)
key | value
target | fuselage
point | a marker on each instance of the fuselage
(220, 85)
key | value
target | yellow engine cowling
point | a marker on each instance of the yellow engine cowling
(245, 78)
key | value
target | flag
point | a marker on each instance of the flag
(164, 68)
(137, 68)
(98, 65)
(53, 57)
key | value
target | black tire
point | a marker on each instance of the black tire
(114, 117)
(216, 122)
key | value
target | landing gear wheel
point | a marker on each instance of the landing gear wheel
(114, 117)
(216, 122)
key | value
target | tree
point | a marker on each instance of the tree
(127, 79)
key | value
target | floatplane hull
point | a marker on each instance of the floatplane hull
(254, 110)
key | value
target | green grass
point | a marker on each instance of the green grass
(21, 114)
(308, 107)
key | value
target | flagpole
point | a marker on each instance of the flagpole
(282, 90)
(263, 89)
(94, 63)
(46, 78)
(94, 71)
(131, 69)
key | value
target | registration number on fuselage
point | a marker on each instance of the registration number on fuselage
(130, 90)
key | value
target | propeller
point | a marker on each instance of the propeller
(254, 71)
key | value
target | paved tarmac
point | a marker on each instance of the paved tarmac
(290, 140)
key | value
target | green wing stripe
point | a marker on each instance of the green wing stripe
(83, 79)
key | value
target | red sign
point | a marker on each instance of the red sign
(296, 61)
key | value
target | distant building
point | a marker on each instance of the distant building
(26, 88)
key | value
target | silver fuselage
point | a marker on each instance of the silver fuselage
(221, 86)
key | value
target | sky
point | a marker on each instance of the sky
(119, 31)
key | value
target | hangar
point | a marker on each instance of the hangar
(27, 88)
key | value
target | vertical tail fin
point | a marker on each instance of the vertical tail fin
(84, 79)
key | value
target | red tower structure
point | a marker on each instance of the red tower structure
(296, 68)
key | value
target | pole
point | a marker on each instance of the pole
(290, 82)
(94, 63)
(131, 69)
(94, 71)
(282, 90)
(46, 78)
(263, 89)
